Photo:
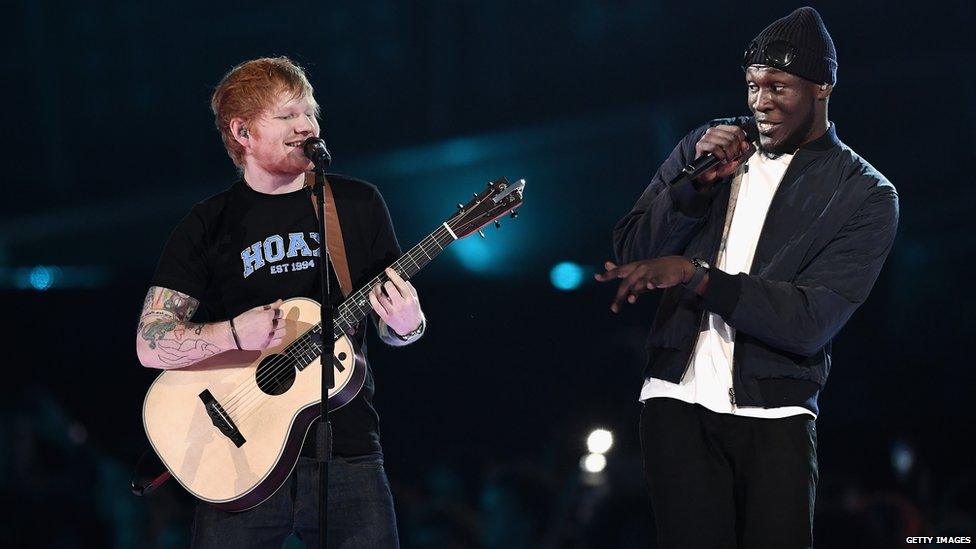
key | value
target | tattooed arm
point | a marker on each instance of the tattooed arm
(167, 339)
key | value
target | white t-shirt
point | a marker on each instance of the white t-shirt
(708, 381)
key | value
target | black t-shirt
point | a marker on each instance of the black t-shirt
(241, 248)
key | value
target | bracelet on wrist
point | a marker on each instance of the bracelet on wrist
(237, 340)
(410, 335)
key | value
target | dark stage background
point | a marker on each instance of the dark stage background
(110, 140)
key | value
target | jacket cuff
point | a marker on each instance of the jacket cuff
(722, 294)
(689, 201)
(390, 337)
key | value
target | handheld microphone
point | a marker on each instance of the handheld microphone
(316, 151)
(708, 160)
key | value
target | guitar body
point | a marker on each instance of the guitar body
(230, 428)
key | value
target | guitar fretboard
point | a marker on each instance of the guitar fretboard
(354, 309)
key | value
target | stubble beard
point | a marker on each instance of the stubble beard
(792, 141)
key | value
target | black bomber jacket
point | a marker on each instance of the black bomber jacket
(827, 233)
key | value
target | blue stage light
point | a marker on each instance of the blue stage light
(41, 277)
(45, 277)
(566, 275)
(474, 253)
(461, 152)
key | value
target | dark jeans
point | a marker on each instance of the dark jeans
(727, 481)
(360, 510)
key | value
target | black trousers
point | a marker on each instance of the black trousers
(727, 481)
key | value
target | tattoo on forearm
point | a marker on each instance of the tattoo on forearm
(180, 304)
(156, 331)
(185, 352)
(164, 326)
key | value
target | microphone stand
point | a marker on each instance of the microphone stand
(323, 442)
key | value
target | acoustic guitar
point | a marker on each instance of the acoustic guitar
(230, 428)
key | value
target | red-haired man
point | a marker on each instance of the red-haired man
(228, 258)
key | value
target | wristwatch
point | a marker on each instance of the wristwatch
(701, 268)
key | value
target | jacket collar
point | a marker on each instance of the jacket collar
(825, 142)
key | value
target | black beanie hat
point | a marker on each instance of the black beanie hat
(814, 56)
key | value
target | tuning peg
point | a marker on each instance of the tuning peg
(460, 206)
(482, 233)
(498, 224)
(514, 214)
(475, 195)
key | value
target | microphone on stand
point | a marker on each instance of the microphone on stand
(316, 151)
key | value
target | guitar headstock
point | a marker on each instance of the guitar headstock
(499, 198)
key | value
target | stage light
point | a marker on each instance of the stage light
(461, 152)
(41, 278)
(593, 463)
(599, 441)
(474, 253)
(566, 276)
(45, 277)
(902, 458)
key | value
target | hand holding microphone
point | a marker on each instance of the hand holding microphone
(719, 152)
(729, 145)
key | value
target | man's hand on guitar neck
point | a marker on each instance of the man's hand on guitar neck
(397, 304)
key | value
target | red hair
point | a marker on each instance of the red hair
(251, 88)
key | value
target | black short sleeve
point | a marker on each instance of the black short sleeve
(385, 249)
(183, 264)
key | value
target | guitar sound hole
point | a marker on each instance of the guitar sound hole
(275, 374)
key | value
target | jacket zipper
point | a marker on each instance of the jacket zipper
(701, 316)
(694, 345)
(753, 266)
(691, 356)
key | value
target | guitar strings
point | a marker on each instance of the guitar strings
(281, 365)
(278, 365)
(275, 368)
(242, 402)
(287, 355)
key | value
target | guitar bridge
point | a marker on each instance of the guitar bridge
(221, 419)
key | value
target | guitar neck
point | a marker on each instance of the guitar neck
(355, 308)
(499, 198)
